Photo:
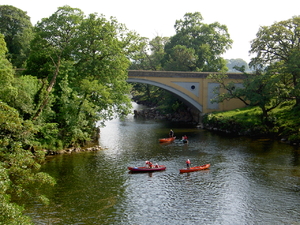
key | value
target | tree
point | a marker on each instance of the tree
(182, 59)
(151, 55)
(6, 73)
(141, 60)
(82, 63)
(19, 152)
(280, 43)
(234, 64)
(157, 47)
(26, 88)
(19, 166)
(204, 44)
(265, 90)
(17, 29)
(102, 54)
(51, 47)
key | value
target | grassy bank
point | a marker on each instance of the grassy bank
(282, 123)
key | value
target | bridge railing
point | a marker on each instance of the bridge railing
(149, 73)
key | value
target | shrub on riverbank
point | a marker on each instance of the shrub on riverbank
(283, 122)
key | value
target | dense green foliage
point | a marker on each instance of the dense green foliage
(278, 46)
(283, 123)
(275, 83)
(234, 64)
(266, 90)
(19, 160)
(276, 79)
(153, 61)
(75, 78)
(82, 65)
(196, 46)
(16, 27)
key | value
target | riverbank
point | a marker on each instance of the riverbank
(75, 150)
(282, 124)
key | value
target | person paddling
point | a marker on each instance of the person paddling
(188, 164)
(149, 164)
(184, 139)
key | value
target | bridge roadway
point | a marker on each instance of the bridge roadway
(193, 88)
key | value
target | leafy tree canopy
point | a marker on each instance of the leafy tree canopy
(265, 90)
(233, 65)
(203, 44)
(19, 166)
(151, 55)
(82, 63)
(280, 44)
(17, 29)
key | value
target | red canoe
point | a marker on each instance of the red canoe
(164, 140)
(196, 168)
(147, 169)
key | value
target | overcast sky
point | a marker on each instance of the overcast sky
(157, 17)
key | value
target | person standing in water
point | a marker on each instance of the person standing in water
(188, 163)
(171, 133)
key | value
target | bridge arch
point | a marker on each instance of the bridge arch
(184, 97)
(195, 89)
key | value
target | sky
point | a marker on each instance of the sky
(157, 17)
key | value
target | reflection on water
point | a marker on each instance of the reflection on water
(249, 181)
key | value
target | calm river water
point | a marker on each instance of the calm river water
(249, 181)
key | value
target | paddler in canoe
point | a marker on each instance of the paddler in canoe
(171, 133)
(188, 163)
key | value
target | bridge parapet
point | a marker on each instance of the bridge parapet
(180, 74)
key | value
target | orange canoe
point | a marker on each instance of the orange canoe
(196, 168)
(164, 140)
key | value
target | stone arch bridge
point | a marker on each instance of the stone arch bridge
(193, 88)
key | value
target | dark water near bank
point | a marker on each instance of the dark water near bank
(249, 181)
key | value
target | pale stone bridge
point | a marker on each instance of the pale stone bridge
(193, 88)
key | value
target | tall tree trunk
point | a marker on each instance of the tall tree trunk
(295, 82)
(297, 101)
(264, 115)
(49, 89)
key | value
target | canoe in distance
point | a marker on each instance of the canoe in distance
(165, 140)
(195, 168)
(147, 169)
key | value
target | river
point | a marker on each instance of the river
(250, 181)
